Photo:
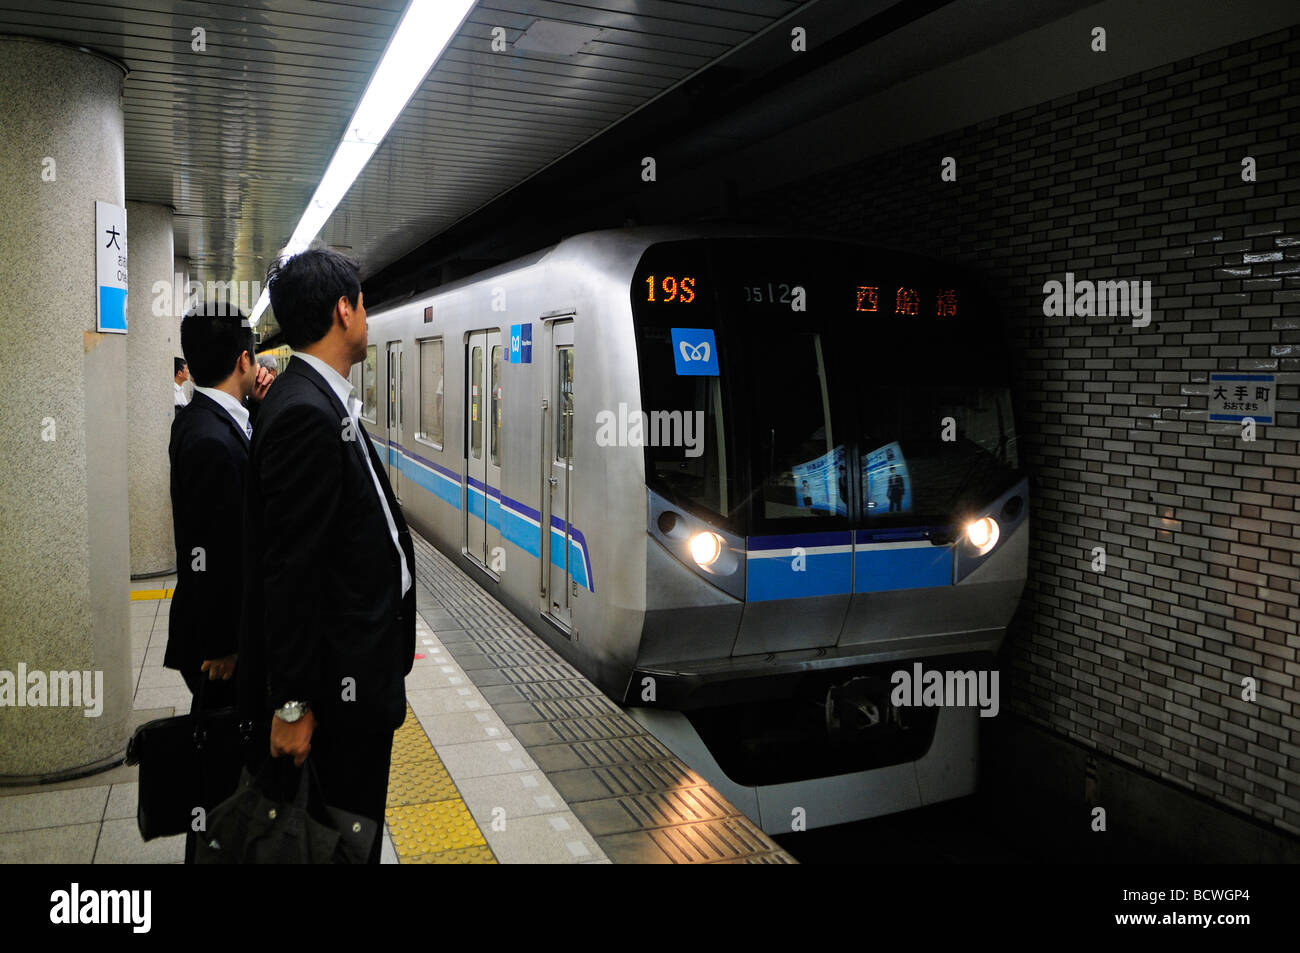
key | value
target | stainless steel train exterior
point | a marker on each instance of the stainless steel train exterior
(838, 499)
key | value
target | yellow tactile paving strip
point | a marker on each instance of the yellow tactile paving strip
(427, 818)
(146, 594)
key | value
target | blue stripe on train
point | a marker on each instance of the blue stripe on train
(829, 564)
(441, 486)
(916, 567)
(798, 577)
(441, 482)
(475, 500)
(521, 532)
(798, 566)
(517, 522)
(823, 569)
(805, 540)
(579, 559)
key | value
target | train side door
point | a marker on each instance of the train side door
(394, 421)
(484, 412)
(557, 533)
(494, 553)
(476, 347)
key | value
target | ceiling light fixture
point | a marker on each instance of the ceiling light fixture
(423, 33)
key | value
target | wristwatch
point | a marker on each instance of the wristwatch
(290, 712)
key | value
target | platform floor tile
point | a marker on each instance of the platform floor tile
(618, 792)
(507, 754)
(427, 820)
(432, 827)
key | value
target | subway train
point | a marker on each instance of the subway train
(762, 489)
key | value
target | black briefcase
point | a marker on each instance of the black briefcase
(187, 763)
(257, 825)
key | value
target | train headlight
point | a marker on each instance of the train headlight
(982, 534)
(706, 548)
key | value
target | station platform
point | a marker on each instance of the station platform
(507, 755)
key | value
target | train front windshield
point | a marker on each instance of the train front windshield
(821, 387)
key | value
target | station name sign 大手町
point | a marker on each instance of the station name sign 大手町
(1236, 395)
(110, 268)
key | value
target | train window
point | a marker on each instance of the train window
(431, 381)
(915, 470)
(804, 470)
(564, 415)
(394, 395)
(685, 438)
(476, 404)
(689, 451)
(494, 422)
(368, 371)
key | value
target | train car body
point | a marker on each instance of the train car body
(739, 480)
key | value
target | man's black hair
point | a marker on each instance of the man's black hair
(304, 289)
(179, 362)
(212, 338)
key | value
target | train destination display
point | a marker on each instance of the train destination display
(878, 298)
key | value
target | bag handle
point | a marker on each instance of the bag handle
(202, 715)
(201, 708)
(306, 781)
(271, 777)
(310, 795)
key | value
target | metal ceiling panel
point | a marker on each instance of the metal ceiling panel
(235, 136)
(485, 121)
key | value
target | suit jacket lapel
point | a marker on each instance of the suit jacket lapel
(302, 369)
(371, 462)
(212, 407)
(309, 372)
(382, 473)
(306, 370)
(360, 436)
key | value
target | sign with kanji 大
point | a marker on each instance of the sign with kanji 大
(110, 268)
(1236, 395)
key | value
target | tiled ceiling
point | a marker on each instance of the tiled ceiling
(235, 136)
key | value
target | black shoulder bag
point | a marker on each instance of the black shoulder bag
(187, 762)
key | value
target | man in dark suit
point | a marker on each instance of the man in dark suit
(895, 490)
(329, 625)
(209, 461)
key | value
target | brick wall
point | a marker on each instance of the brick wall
(1137, 179)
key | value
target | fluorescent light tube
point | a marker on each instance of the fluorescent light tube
(423, 33)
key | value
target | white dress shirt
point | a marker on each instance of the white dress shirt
(345, 391)
(238, 412)
(180, 395)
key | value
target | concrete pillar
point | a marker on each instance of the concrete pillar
(150, 346)
(64, 550)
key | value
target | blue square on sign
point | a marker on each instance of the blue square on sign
(695, 352)
(515, 344)
(526, 343)
(112, 308)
